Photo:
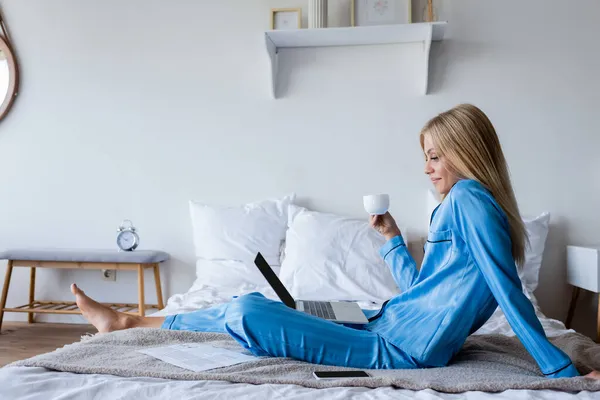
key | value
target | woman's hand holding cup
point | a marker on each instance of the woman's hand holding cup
(385, 224)
(381, 220)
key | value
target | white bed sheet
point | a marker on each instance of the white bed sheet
(39, 383)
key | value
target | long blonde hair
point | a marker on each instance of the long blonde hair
(467, 140)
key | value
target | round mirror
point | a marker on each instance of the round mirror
(9, 77)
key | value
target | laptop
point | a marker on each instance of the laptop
(336, 311)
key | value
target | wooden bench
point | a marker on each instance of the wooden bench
(138, 260)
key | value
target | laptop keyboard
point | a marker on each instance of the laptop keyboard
(320, 309)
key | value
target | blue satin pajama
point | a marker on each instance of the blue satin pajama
(270, 328)
(467, 271)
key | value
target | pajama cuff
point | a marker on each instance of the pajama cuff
(168, 323)
(391, 244)
(568, 371)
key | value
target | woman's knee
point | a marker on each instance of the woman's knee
(245, 309)
(243, 316)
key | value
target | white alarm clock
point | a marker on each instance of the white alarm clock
(127, 238)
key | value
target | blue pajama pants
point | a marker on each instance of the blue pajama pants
(270, 328)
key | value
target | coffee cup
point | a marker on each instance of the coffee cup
(376, 204)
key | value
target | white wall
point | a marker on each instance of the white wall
(129, 109)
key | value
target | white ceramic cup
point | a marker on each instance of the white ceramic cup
(376, 204)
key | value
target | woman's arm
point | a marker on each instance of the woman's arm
(484, 228)
(394, 252)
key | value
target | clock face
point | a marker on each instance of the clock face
(126, 240)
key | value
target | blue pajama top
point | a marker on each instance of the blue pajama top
(468, 270)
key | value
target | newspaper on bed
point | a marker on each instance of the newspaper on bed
(197, 356)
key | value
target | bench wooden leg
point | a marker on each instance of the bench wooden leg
(159, 298)
(572, 307)
(9, 268)
(30, 316)
(141, 301)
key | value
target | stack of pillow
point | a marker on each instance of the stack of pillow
(317, 256)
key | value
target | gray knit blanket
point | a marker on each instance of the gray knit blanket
(490, 363)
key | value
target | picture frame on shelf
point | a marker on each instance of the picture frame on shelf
(380, 12)
(286, 18)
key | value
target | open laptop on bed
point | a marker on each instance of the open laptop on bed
(336, 311)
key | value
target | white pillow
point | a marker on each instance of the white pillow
(226, 240)
(537, 231)
(237, 233)
(331, 257)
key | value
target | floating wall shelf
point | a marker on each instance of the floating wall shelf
(355, 36)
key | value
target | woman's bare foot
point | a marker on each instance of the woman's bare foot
(103, 318)
(593, 375)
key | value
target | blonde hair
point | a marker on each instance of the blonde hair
(467, 140)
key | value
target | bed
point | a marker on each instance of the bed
(40, 383)
(215, 287)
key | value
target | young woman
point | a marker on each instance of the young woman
(476, 235)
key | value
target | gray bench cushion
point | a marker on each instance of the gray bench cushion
(83, 255)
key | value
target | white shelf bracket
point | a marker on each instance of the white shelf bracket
(274, 58)
(426, 54)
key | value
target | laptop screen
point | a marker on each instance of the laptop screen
(274, 281)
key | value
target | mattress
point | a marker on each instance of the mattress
(39, 383)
